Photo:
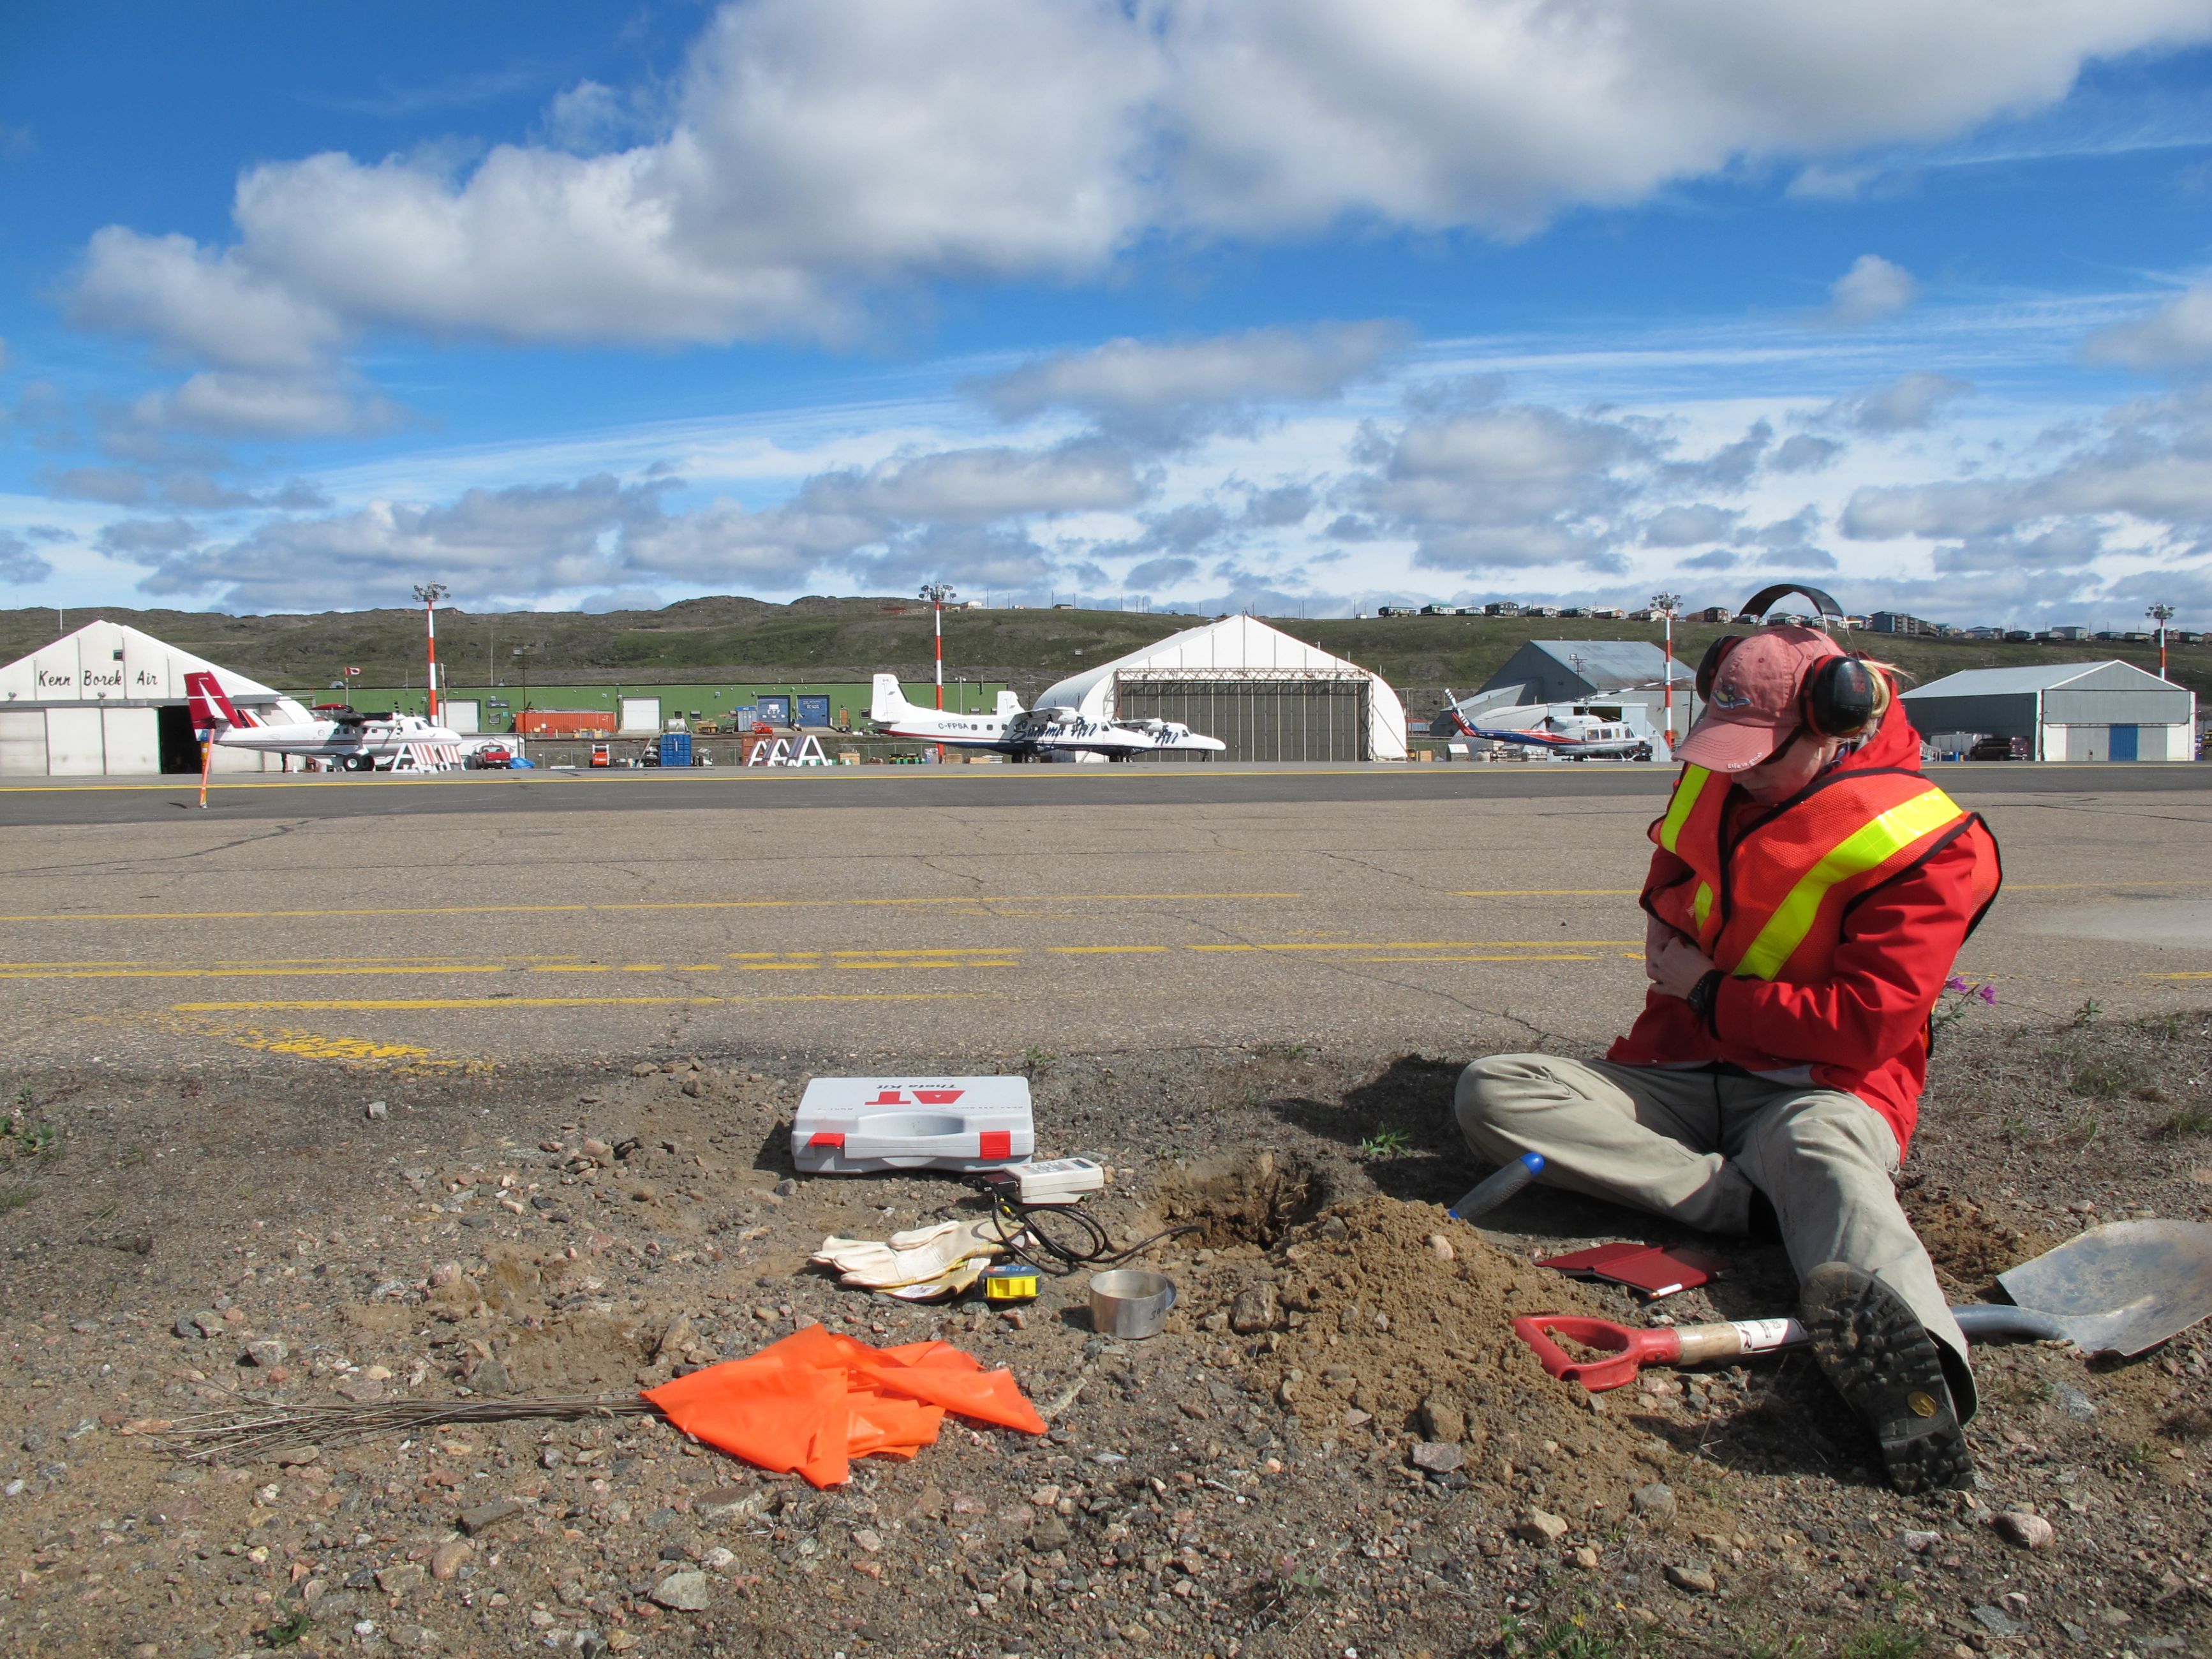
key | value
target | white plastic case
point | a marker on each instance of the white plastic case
(855, 1125)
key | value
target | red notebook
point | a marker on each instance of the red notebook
(1650, 1268)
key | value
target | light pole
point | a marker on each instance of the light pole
(2161, 614)
(430, 593)
(1667, 604)
(937, 593)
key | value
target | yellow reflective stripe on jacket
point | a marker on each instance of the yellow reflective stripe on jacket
(1701, 905)
(1865, 849)
(1694, 779)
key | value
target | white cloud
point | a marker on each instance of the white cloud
(2178, 334)
(1908, 403)
(815, 151)
(19, 566)
(233, 405)
(1871, 289)
(1689, 524)
(215, 306)
(1171, 391)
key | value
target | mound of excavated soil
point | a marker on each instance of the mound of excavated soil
(1379, 1334)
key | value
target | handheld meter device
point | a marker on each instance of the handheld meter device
(1060, 1180)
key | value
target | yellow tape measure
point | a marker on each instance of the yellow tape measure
(1010, 1282)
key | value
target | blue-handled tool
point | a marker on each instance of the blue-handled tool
(1495, 1187)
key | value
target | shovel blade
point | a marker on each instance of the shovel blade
(2122, 1288)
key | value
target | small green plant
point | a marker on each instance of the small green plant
(1886, 1642)
(291, 1629)
(2088, 1013)
(2103, 1079)
(1035, 1059)
(1563, 1638)
(23, 1138)
(2189, 1121)
(1386, 1142)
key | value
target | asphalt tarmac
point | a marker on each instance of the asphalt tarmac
(882, 922)
(335, 795)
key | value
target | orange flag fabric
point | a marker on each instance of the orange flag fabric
(814, 1400)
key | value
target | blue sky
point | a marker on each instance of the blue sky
(1307, 305)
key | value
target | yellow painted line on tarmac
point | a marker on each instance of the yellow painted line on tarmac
(244, 973)
(2206, 975)
(1101, 950)
(1420, 945)
(405, 1004)
(1547, 893)
(612, 908)
(1530, 958)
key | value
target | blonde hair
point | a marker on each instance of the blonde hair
(1885, 677)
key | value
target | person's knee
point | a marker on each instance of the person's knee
(1834, 1129)
(1496, 1090)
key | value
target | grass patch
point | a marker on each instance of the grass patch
(2104, 1080)
(1886, 1642)
(2189, 1121)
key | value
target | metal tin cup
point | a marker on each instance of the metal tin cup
(1131, 1303)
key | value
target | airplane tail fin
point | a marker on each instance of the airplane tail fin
(889, 702)
(1009, 705)
(212, 708)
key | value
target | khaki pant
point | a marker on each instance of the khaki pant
(1693, 1145)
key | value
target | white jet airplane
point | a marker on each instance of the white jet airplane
(1561, 729)
(1035, 734)
(354, 743)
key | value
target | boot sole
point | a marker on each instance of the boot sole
(1890, 1372)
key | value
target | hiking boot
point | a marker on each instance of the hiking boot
(1890, 1371)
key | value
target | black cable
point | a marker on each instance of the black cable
(1063, 1257)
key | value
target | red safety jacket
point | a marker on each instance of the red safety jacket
(1836, 914)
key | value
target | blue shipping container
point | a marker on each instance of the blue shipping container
(676, 749)
(814, 711)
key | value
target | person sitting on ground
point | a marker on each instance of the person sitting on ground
(1809, 895)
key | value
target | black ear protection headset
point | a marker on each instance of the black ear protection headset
(1837, 697)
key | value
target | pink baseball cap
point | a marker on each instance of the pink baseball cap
(1755, 703)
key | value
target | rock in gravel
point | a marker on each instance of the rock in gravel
(786, 1188)
(1541, 1526)
(298, 1457)
(733, 1505)
(2028, 1531)
(674, 1339)
(205, 1324)
(1437, 1456)
(682, 1592)
(1655, 1502)
(268, 1352)
(393, 1581)
(1695, 1576)
(379, 1111)
(1443, 1419)
(1440, 1247)
(2075, 1403)
(485, 1516)
(1998, 1622)
(1050, 1533)
(644, 1068)
(450, 1557)
(1257, 1308)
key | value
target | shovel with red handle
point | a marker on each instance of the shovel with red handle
(1626, 1350)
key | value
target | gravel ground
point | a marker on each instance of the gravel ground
(1336, 1448)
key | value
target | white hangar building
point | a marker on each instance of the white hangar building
(108, 699)
(2067, 711)
(1267, 695)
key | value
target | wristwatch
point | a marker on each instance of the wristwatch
(1702, 997)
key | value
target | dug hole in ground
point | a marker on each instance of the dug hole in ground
(1337, 1445)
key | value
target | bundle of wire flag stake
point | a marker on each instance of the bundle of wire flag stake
(806, 1404)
